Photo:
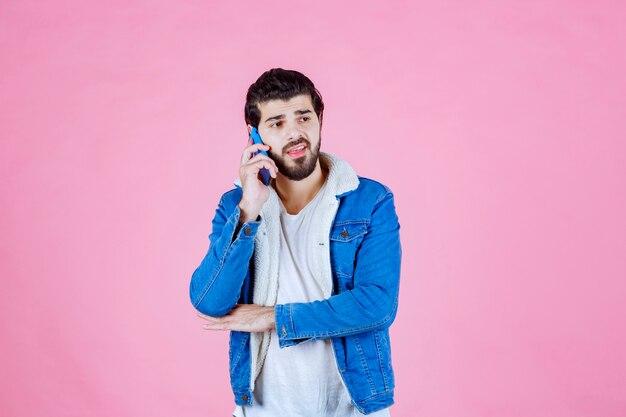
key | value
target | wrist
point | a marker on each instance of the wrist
(271, 318)
(247, 213)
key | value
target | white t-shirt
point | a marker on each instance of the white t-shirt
(301, 380)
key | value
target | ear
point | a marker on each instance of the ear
(249, 129)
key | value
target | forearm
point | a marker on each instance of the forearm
(340, 315)
(216, 284)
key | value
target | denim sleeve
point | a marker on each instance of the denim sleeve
(216, 284)
(372, 303)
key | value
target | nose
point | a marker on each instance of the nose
(294, 132)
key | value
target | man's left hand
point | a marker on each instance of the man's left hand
(243, 318)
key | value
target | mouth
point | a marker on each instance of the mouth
(297, 151)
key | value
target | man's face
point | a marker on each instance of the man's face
(286, 126)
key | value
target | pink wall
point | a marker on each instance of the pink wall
(499, 125)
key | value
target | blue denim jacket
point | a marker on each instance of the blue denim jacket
(360, 255)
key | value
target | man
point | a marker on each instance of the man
(303, 272)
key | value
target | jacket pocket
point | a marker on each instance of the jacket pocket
(345, 238)
(348, 230)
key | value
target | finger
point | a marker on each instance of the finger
(216, 326)
(260, 157)
(254, 167)
(209, 318)
(255, 148)
(248, 151)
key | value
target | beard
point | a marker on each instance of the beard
(300, 168)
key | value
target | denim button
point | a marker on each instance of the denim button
(247, 230)
(348, 230)
(244, 398)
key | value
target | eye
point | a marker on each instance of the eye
(305, 118)
(275, 124)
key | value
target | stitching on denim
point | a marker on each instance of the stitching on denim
(360, 408)
(380, 359)
(358, 221)
(209, 285)
(291, 320)
(379, 394)
(228, 251)
(230, 348)
(230, 243)
(372, 180)
(241, 349)
(343, 274)
(351, 238)
(364, 364)
(335, 232)
(388, 192)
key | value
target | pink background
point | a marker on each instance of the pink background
(499, 125)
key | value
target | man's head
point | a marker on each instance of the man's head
(287, 109)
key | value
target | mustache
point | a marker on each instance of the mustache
(296, 143)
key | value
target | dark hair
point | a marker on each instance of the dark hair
(281, 84)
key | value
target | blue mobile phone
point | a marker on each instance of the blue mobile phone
(265, 173)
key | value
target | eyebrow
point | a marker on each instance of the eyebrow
(282, 116)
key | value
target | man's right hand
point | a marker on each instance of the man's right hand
(255, 192)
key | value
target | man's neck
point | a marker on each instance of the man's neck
(295, 195)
